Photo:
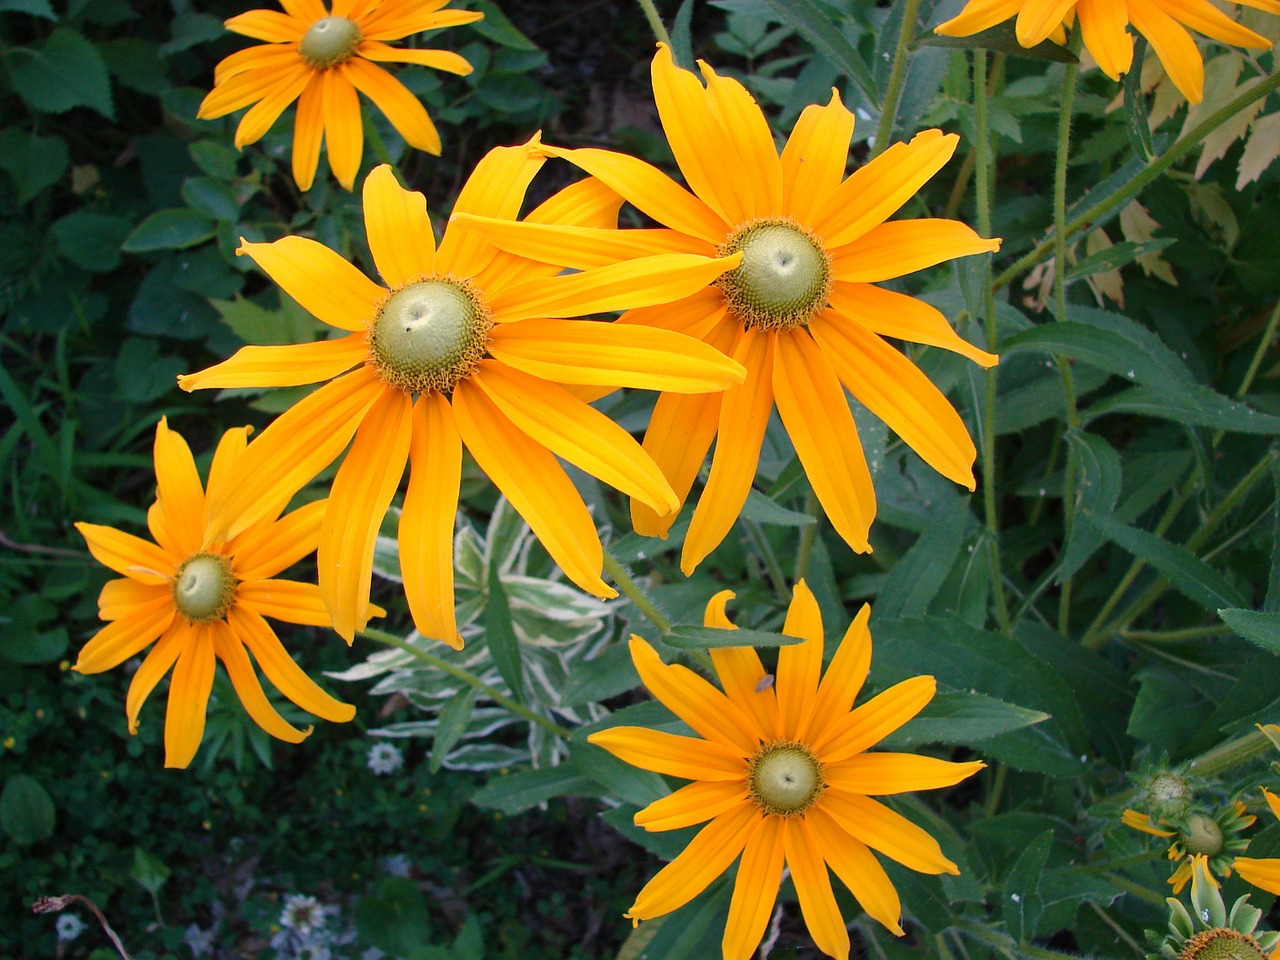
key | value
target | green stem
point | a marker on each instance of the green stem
(1143, 178)
(807, 535)
(1229, 755)
(1267, 336)
(655, 22)
(467, 677)
(1137, 889)
(635, 594)
(1176, 636)
(897, 77)
(1120, 932)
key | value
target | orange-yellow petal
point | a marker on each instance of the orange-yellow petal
(1264, 874)
(326, 285)
(845, 675)
(674, 755)
(126, 636)
(343, 127)
(814, 159)
(228, 451)
(874, 720)
(156, 664)
(266, 548)
(262, 115)
(1039, 18)
(580, 247)
(857, 868)
(399, 230)
(754, 891)
(289, 365)
(818, 905)
(308, 132)
(755, 172)
(286, 600)
(1140, 821)
(692, 804)
(1175, 47)
(178, 488)
(270, 25)
(392, 24)
(979, 15)
(700, 315)
(905, 246)
(231, 652)
(1104, 28)
(247, 86)
(119, 598)
(402, 108)
(891, 833)
(189, 697)
(799, 664)
(445, 60)
(126, 554)
(678, 437)
(881, 774)
(902, 317)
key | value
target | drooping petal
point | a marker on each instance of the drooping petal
(265, 549)
(708, 855)
(128, 555)
(537, 486)
(814, 410)
(695, 701)
(744, 414)
(569, 428)
(902, 317)
(327, 286)
(343, 129)
(815, 156)
(613, 354)
(874, 720)
(231, 652)
(904, 246)
(882, 774)
(651, 191)
(386, 25)
(286, 600)
(979, 15)
(362, 491)
(289, 365)
(1143, 822)
(845, 675)
(269, 56)
(799, 664)
(891, 833)
(755, 173)
(126, 636)
(692, 804)
(674, 755)
(189, 697)
(178, 488)
(445, 60)
(270, 25)
(156, 664)
(1104, 28)
(857, 868)
(876, 191)
(1212, 22)
(280, 669)
(803, 850)
(262, 115)
(427, 520)
(308, 133)
(1264, 874)
(895, 390)
(1173, 45)
(755, 890)
(399, 230)
(402, 108)
(120, 597)
(293, 450)
(1039, 18)
(247, 86)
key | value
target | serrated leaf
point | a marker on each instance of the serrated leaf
(454, 717)
(192, 29)
(26, 810)
(812, 24)
(67, 71)
(962, 718)
(1020, 901)
(1191, 405)
(1256, 626)
(915, 579)
(32, 161)
(688, 636)
(1189, 575)
(504, 645)
(496, 26)
(1116, 256)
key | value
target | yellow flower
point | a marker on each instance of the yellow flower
(801, 312)
(783, 775)
(1103, 23)
(321, 58)
(1216, 838)
(462, 347)
(204, 597)
(1264, 874)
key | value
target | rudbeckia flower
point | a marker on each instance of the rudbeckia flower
(1213, 838)
(1264, 874)
(801, 312)
(464, 346)
(1103, 27)
(321, 58)
(782, 774)
(202, 598)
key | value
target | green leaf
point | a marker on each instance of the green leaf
(32, 161)
(812, 24)
(192, 29)
(1272, 602)
(689, 636)
(504, 645)
(147, 869)
(1189, 575)
(25, 636)
(454, 717)
(37, 8)
(1116, 256)
(142, 374)
(1135, 108)
(762, 509)
(172, 229)
(1190, 405)
(682, 36)
(395, 919)
(211, 197)
(915, 579)
(262, 327)
(66, 72)
(1097, 490)
(1002, 38)
(1255, 626)
(518, 792)
(91, 240)
(1020, 901)
(962, 718)
(26, 810)
(136, 64)
(620, 780)
(1105, 349)
(497, 27)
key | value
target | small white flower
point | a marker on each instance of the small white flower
(198, 941)
(384, 758)
(397, 866)
(302, 914)
(69, 926)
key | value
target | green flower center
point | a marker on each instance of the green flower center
(204, 587)
(329, 41)
(430, 335)
(784, 278)
(1203, 835)
(1221, 944)
(784, 778)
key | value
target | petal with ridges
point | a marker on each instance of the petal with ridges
(814, 410)
(709, 854)
(367, 480)
(845, 676)
(699, 315)
(445, 60)
(289, 365)
(127, 636)
(263, 114)
(569, 428)
(343, 129)
(979, 15)
(292, 451)
(755, 890)
(385, 26)
(741, 672)
(278, 667)
(876, 191)
(427, 520)
(126, 554)
(799, 664)
(674, 755)
(891, 833)
(586, 203)
(744, 414)
(536, 485)
(1104, 28)
(266, 548)
(119, 597)
(156, 664)
(905, 246)
(874, 720)
(268, 55)
(189, 690)
(231, 652)
(398, 105)
(895, 390)
(813, 888)
(269, 25)
(881, 774)
(857, 868)
(695, 701)
(678, 437)
(1173, 45)
(1264, 874)
(1039, 18)
(246, 87)
(755, 173)
(814, 159)
(228, 451)
(902, 317)
(308, 132)
(178, 488)
(1212, 22)
(399, 230)
(580, 247)
(286, 600)
(692, 804)
(327, 286)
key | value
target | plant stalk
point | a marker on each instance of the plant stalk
(655, 22)
(897, 77)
